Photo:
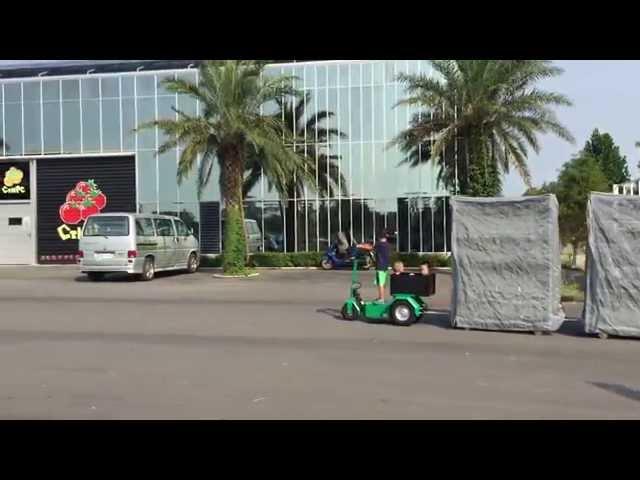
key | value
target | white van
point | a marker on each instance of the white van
(254, 236)
(136, 244)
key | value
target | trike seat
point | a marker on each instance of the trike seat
(414, 284)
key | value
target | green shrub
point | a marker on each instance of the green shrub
(305, 259)
(312, 259)
(572, 292)
(271, 259)
(292, 259)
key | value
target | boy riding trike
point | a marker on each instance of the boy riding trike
(404, 308)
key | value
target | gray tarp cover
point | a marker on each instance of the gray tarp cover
(506, 263)
(612, 303)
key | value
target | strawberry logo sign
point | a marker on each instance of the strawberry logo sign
(84, 200)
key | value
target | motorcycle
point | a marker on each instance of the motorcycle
(333, 259)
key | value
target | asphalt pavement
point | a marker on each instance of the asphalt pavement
(275, 347)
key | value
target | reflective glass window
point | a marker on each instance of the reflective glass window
(71, 127)
(144, 227)
(167, 167)
(90, 88)
(165, 227)
(128, 124)
(12, 93)
(110, 87)
(51, 90)
(32, 128)
(31, 91)
(146, 113)
(70, 89)
(146, 85)
(13, 128)
(91, 125)
(147, 174)
(110, 125)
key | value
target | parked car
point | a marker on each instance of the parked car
(136, 244)
(254, 236)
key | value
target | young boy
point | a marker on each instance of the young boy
(424, 268)
(398, 268)
(383, 254)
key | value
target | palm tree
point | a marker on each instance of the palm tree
(230, 128)
(310, 139)
(479, 118)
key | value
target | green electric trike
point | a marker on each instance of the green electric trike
(404, 308)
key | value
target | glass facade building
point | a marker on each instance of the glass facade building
(95, 114)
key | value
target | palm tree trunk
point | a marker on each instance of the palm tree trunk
(290, 214)
(235, 244)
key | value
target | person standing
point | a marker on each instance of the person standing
(383, 259)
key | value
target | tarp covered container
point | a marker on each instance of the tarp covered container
(612, 303)
(506, 263)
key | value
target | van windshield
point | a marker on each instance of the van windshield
(106, 227)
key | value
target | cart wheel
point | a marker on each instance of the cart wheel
(402, 313)
(347, 316)
(603, 335)
(326, 264)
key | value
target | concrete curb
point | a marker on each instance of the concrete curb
(226, 277)
(205, 269)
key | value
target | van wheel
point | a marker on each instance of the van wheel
(402, 314)
(192, 263)
(148, 270)
(95, 276)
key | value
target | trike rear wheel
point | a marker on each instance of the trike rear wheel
(402, 313)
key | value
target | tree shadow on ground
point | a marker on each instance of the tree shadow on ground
(618, 389)
(571, 327)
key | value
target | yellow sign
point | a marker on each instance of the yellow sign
(13, 177)
(12, 180)
(67, 233)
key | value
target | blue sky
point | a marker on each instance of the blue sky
(606, 95)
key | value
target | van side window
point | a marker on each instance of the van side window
(164, 227)
(183, 231)
(144, 227)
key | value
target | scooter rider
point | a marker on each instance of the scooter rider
(342, 245)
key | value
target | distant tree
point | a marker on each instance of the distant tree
(638, 146)
(614, 165)
(477, 119)
(578, 177)
(545, 189)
